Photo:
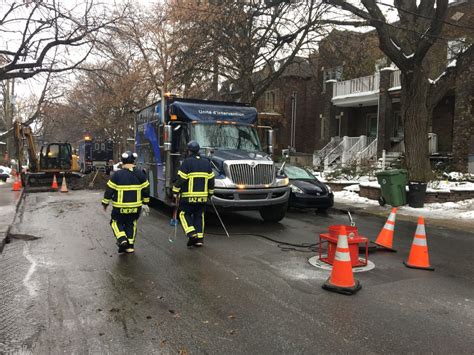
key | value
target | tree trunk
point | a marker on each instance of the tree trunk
(415, 115)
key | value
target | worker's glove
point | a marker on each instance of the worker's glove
(145, 210)
(105, 207)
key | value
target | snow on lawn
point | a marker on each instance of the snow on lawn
(448, 210)
(348, 197)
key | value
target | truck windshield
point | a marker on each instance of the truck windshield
(226, 136)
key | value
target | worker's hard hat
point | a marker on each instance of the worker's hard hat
(193, 146)
(128, 157)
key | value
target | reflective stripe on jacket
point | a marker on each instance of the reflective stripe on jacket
(127, 189)
(195, 180)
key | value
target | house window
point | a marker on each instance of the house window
(270, 100)
(372, 125)
(397, 125)
(331, 74)
(455, 47)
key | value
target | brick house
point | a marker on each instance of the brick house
(348, 88)
(365, 102)
(288, 105)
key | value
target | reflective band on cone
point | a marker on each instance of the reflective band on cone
(64, 185)
(419, 258)
(55, 183)
(342, 278)
(385, 237)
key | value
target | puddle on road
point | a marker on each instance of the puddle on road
(20, 236)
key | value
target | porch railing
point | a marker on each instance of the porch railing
(365, 84)
(395, 80)
(368, 153)
(351, 154)
(318, 156)
(345, 145)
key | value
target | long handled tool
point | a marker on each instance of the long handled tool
(174, 221)
(220, 219)
(91, 184)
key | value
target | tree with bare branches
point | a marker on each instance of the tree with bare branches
(406, 43)
(39, 35)
(233, 40)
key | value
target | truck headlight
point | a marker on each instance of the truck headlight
(282, 182)
(219, 183)
(296, 189)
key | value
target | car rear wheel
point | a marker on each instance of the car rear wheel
(274, 214)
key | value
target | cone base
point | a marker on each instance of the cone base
(430, 268)
(385, 248)
(342, 290)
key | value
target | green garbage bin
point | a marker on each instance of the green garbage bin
(392, 187)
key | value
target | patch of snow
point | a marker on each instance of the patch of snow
(395, 45)
(452, 63)
(395, 88)
(370, 184)
(352, 197)
(447, 210)
(353, 188)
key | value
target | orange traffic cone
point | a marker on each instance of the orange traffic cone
(419, 258)
(342, 279)
(16, 185)
(385, 238)
(64, 185)
(55, 183)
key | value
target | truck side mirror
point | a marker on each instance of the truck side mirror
(270, 141)
(167, 137)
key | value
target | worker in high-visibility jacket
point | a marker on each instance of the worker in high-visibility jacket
(129, 191)
(195, 184)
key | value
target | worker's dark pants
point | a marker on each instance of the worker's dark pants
(124, 225)
(191, 217)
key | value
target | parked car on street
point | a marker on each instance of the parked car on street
(4, 173)
(306, 190)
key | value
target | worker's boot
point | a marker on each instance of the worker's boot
(199, 242)
(130, 248)
(191, 241)
(122, 243)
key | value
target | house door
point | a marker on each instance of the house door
(372, 125)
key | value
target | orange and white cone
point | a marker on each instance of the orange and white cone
(342, 278)
(385, 238)
(16, 185)
(64, 185)
(55, 183)
(419, 258)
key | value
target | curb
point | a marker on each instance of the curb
(460, 225)
(4, 239)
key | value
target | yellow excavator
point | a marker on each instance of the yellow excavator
(52, 159)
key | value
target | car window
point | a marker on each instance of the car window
(294, 172)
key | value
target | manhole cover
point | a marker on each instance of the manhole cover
(322, 265)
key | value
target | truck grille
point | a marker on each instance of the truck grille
(251, 174)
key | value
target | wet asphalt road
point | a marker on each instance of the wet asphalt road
(70, 292)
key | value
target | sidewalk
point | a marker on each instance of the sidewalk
(459, 216)
(9, 202)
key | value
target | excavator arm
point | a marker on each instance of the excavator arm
(24, 136)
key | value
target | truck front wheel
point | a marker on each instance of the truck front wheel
(274, 214)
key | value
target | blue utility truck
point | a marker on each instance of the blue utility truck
(228, 133)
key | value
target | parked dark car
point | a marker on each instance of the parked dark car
(306, 190)
(4, 174)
